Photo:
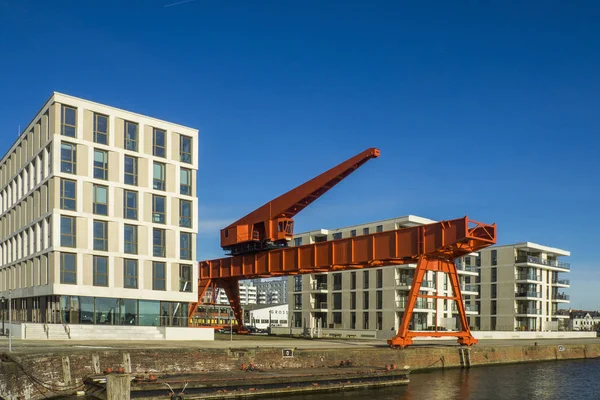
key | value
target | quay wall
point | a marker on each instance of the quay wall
(33, 375)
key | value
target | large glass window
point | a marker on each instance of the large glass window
(86, 310)
(107, 311)
(185, 184)
(100, 129)
(68, 158)
(185, 246)
(185, 213)
(158, 276)
(158, 209)
(101, 235)
(131, 136)
(185, 149)
(100, 271)
(158, 142)
(100, 164)
(68, 121)
(131, 239)
(131, 204)
(159, 176)
(185, 278)
(158, 240)
(129, 311)
(130, 274)
(68, 231)
(131, 168)
(149, 312)
(100, 205)
(68, 268)
(68, 194)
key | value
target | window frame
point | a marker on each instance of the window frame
(97, 132)
(183, 267)
(154, 275)
(161, 179)
(188, 191)
(161, 245)
(184, 251)
(127, 141)
(134, 243)
(73, 231)
(133, 176)
(126, 275)
(126, 208)
(162, 216)
(182, 154)
(64, 198)
(64, 272)
(95, 274)
(72, 161)
(102, 239)
(156, 147)
(182, 218)
(63, 122)
(103, 170)
(95, 203)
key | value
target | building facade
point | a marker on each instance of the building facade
(373, 299)
(521, 287)
(269, 316)
(271, 290)
(97, 216)
(248, 294)
(581, 320)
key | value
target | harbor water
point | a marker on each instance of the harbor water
(540, 381)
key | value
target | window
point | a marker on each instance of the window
(298, 283)
(131, 167)
(130, 274)
(68, 231)
(468, 261)
(185, 149)
(158, 242)
(379, 299)
(130, 236)
(158, 142)
(494, 307)
(100, 129)
(130, 200)
(353, 280)
(68, 268)
(101, 235)
(158, 276)
(68, 158)
(100, 206)
(159, 176)
(298, 241)
(337, 235)
(100, 164)
(366, 320)
(337, 318)
(379, 321)
(365, 279)
(185, 186)
(352, 320)
(68, 121)
(379, 228)
(494, 274)
(185, 278)
(365, 231)
(185, 246)
(100, 271)
(494, 291)
(158, 209)
(353, 233)
(353, 300)
(366, 300)
(185, 213)
(131, 136)
(494, 257)
(68, 194)
(379, 278)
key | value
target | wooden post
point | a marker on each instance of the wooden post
(118, 386)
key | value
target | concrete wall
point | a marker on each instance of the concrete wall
(175, 333)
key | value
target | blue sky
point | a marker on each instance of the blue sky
(485, 109)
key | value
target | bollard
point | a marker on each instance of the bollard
(118, 386)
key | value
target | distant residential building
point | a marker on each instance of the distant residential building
(580, 320)
(271, 290)
(373, 299)
(521, 287)
(248, 294)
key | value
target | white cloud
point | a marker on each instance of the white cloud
(212, 226)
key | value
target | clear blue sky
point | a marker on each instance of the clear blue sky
(486, 109)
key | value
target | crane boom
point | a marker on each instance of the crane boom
(271, 225)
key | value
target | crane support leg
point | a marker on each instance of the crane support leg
(232, 291)
(404, 337)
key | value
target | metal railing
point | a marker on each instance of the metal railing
(420, 303)
(469, 288)
(534, 311)
(409, 281)
(529, 277)
(562, 296)
(468, 307)
(319, 286)
(464, 267)
(529, 294)
(561, 281)
(541, 261)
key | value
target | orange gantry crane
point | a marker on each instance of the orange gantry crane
(257, 244)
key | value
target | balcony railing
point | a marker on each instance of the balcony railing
(469, 288)
(420, 303)
(320, 305)
(297, 306)
(529, 294)
(561, 281)
(464, 267)
(409, 281)
(534, 311)
(468, 307)
(561, 296)
(319, 286)
(541, 261)
(529, 277)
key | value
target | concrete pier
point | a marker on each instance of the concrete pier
(118, 386)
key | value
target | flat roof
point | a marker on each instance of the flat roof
(535, 247)
(411, 220)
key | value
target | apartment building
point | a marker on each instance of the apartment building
(374, 298)
(248, 294)
(522, 287)
(97, 217)
(271, 290)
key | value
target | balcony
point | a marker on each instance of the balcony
(468, 308)
(528, 311)
(536, 295)
(561, 297)
(319, 286)
(561, 282)
(407, 282)
(460, 266)
(297, 306)
(319, 306)
(529, 277)
(421, 304)
(469, 288)
(540, 261)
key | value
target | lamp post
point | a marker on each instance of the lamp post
(3, 299)
(10, 320)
